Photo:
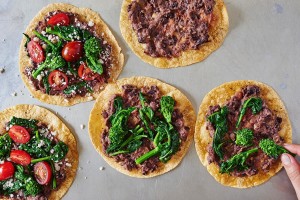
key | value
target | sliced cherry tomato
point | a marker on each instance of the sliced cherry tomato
(58, 80)
(7, 170)
(86, 73)
(42, 172)
(35, 51)
(72, 51)
(60, 18)
(20, 157)
(19, 134)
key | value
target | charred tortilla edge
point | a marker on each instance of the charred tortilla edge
(97, 122)
(85, 14)
(63, 134)
(220, 95)
(217, 33)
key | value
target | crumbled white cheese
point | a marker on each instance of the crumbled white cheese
(41, 143)
(8, 184)
(13, 94)
(90, 98)
(2, 70)
(39, 77)
(44, 46)
(43, 33)
(8, 159)
(101, 168)
(91, 23)
(36, 39)
(66, 100)
(82, 126)
(1, 162)
(53, 133)
(52, 151)
(49, 54)
(104, 42)
(85, 177)
(11, 195)
(68, 164)
(57, 167)
(50, 37)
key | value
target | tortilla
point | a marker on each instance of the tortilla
(54, 123)
(220, 95)
(97, 122)
(85, 14)
(217, 33)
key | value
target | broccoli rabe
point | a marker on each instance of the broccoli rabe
(237, 161)
(146, 114)
(68, 33)
(92, 51)
(5, 146)
(272, 149)
(244, 137)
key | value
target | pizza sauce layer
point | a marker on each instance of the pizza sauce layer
(131, 98)
(75, 59)
(32, 160)
(169, 27)
(264, 125)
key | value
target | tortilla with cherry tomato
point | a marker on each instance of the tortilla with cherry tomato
(169, 34)
(266, 118)
(38, 154)
(155, 120)
(68, 55)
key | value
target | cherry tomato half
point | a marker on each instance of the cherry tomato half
(7, 170)
(86, 73)
(58, 80)
(72, 51)
(60, 18)
(19, 134)
(20, 157)
(35, 51)
(42, 172)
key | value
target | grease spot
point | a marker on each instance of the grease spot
(278, 8)
(283, 86)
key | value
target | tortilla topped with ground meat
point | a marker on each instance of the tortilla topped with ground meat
(146, 144)
(172, 33)
(270, 122)
(68, 55)
(46, 130)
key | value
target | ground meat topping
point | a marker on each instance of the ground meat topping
(265, 124)
(130, 97)
(71, 71)
(168, 27)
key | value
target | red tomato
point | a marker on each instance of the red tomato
(35, 51)
(42, 172)
(7, 170)
(72, 51)
(60, 18)
(58, 80)
(19, 134)
(86, 73)
(20, 157)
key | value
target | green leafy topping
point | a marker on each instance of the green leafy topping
(237, 161)
(219, 121)
(166, 143)
(167, 106)
(70, 89)
(146, 115)
(54, 47)
(244, 137)
(46, 84)
(5, 146)
(27, 39)
(272, 149)
(255, 103)
(60, 151)
(92, 50)
(37, 147)
(52, 62)
(68, 33)
(28, 123)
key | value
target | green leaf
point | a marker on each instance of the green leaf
(92, 52)
(68, 33)
(5, 146)
(28, 123)
(272, 149)
(27, 39)
(244, 137)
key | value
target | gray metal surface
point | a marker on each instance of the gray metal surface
(263, 44)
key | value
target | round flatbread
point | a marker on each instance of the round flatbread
(217, 33)
(219, 96)
(84, 15)
(63, 134)
(97, 122)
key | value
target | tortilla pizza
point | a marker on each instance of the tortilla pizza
(176, 33)
(38, 154)
(68, 55)
(240, 129)
(141, 126)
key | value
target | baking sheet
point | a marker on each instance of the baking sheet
(263, 44)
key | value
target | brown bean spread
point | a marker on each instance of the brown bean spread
(169, 27)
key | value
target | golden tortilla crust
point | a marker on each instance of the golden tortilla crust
(220, 95)
(217, 34)
(85, 15)
(97, 122)
(55, 124)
